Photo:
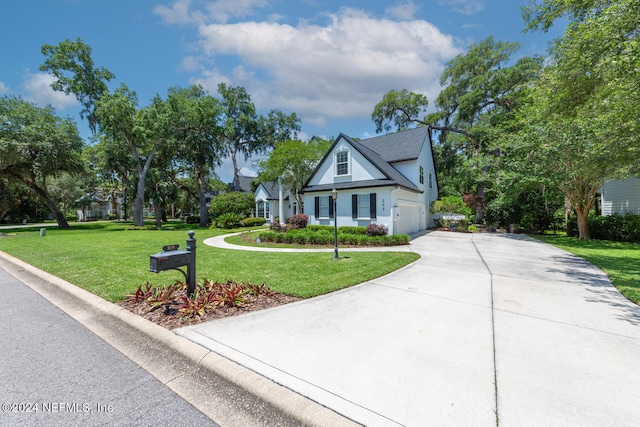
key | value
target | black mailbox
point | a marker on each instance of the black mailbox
(169, 260)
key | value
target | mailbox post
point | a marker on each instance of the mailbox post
(172, 259)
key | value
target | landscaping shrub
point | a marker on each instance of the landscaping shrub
(298, 221)
(348, 229)
(234, 202)
(376, 230)
(252, 222)
(228, 220)
(615, 227)
(325, 237)
(315, 227)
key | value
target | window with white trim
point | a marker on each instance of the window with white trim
(324, 207)
(342, 162)
(263, 209)
(421, 175)
(430, 180)
(363, 206)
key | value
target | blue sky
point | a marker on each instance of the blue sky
(329, 61)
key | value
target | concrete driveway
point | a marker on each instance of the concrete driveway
(484, 329)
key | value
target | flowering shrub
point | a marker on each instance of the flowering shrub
(376, 230)
(298, 221)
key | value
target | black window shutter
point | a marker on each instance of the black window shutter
(317, 207)
(372, 205)
(330, 206)
(354, 206)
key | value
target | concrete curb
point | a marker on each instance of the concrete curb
(225, 391)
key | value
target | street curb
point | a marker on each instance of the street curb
(225, 391)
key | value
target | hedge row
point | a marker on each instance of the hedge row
(615, 227)
(325, 237)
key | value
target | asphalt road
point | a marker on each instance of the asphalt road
(54, 371)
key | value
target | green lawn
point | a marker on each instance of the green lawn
(621, 261)
(111, 261)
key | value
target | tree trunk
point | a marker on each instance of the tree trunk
(204, 213)
(583, 226)
(53, 207)
(138, 203)
(157, 209)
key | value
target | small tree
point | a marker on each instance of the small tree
(447, 206)
(234, 202)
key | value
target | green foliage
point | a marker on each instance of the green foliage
(292, 162)
(71, 64)
(325, 236)
(400, 108)
(228, 220)
(450, 204)
(233, 202)
(35, 146)
(352, 229)
(615, 228)
(252, 222)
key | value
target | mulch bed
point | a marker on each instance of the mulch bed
(171, 319)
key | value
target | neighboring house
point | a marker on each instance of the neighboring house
(244, 184)
(621, 197)
(95, 206)
(389, 180)
(273, 203)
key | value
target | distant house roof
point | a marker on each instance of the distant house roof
(272, 190)
(381, 151)
(245, 184)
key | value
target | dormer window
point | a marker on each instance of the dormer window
(342, 163)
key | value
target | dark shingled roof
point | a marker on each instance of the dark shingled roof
(381, 151)
(400, 146)
(272, 190)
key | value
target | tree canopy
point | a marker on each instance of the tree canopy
(35, 146)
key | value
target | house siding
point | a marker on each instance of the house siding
(390, 177)
(621, 197)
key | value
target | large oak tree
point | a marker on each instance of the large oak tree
(36, 145)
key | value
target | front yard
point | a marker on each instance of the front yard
(111, 260)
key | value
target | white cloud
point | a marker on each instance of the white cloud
(176, 14)
(465, 7)
(337, 70)
(37, 89)
(223, 10)
(4, 88)
(217, 11)
(406, 10)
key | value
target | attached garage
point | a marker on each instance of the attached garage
(408, 219)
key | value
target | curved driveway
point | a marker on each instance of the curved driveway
(483, 330)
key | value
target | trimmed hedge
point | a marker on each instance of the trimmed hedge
(325, 237)
(615, 228)
(252, 222)
(346, 229)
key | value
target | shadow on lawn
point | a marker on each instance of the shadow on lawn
(596, 282)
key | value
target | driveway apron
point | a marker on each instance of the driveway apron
(483, 330)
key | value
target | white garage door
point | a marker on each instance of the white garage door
(408, 220)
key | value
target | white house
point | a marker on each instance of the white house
(95, 206)
(273, 202)
(621, 197)
(388, 180)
